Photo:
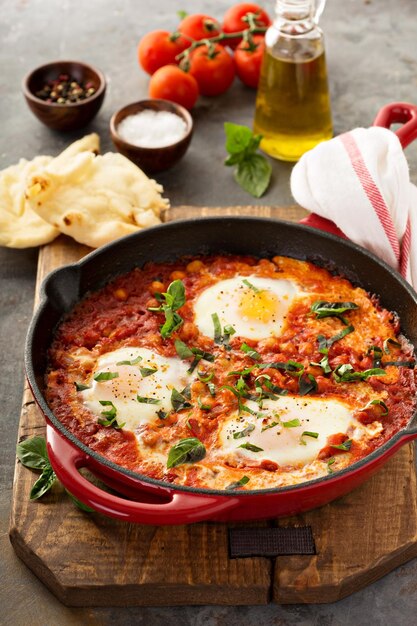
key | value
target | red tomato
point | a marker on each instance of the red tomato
(233, 20)
(199, 26)
(159, 48)
(248, 60)
(213, 70)
(172, 83)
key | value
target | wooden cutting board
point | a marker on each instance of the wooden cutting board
(90, 560)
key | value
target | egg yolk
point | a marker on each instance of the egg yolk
(259, 305)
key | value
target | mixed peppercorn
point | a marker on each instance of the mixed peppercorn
(66, 90)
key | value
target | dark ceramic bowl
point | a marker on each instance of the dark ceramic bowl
(64, 116)
(152, 160)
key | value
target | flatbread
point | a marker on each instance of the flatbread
(20, 226)
(95, 199)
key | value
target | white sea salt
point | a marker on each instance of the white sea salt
(152, 129)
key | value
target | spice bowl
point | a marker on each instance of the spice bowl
(67, 115)
(148, 158)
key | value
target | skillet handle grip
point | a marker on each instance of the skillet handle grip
(182, 508)
(399, 113)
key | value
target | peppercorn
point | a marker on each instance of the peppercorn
(65, 89)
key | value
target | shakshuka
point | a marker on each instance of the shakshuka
(230, 372)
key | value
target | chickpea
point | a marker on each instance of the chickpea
(188, 331)
(156, 287)
(120, 294)
(177, 275)
(195, 266)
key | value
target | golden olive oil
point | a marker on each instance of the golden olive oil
(293, 105)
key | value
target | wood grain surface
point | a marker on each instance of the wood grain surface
(90, 560)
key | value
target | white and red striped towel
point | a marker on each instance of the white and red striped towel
(360, 181)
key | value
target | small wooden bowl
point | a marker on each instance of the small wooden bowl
(152, 160)
(64, 116)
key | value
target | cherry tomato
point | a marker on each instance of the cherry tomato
(233, 20)
(213, 68)
(172, 83)
(159, 48)
(199, 26)
(248, 60)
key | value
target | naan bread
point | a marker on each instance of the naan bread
(95, 199)
(20, 226)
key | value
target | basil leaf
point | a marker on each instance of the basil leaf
(325, 344)
(237, 137)
(345, 446)
(250, 352)
(105, 376)
(409, 364)
(307, 384)
(147, 371)
(79, 504)
(292, 367)
(133, 362)
(329, 464)
(111, 414)
(205, 377)
(253, 174)
(292, 423)
(376, 403)
(309, 433)
(245, 432)
(217, 328)
(324, 364)
(176, 292)
(211, 388)
(179, 400)
(183, 351)
(81, 386)
(172, 322)
(269, 426)
(392, 342)
(332, 309)
(239, 483)
(32, 453)
(43, 484)
(189, 450)
(203, 407)
(161, 414)
(112, 411)
(251, 447)
(249, 284)
(346, 374)
(228, 330)
(144, 400)
(377, 352)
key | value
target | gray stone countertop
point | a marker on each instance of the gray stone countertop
(372, 60)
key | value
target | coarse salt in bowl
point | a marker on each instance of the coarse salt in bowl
(152, 133)
(152, 129)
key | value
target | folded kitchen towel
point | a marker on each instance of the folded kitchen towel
(360, 181)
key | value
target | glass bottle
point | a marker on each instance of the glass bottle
(293, 104)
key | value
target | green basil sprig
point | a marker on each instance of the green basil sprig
(245, 432)
(253, 171)
(189, 450)
(184, 352)
(239, 483)
(32, 453)
(180, 400)
(172, 300)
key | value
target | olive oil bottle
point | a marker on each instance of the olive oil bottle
(293, 104)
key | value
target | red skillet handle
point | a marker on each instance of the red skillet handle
(393, 113)
(399, 113)
(183, 508)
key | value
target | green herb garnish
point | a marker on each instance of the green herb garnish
(203, 407)
(174, 300)
(346, 374)
(250, 352)
(184, 352)
(269, 426)
(345, 446)
(105, 376)
(325, 344)
(321, 308)
(253, 171)
(180, 400)
(307, 384)
(249, 284)
(392, 342)
(81, 386)
(330, 462)
(377, 403)
(251, 447)
(239, 483)
(189, 450)
(292, 423)
(162, 414)
(144, 400)
(111, 415)
(309, 433)
(220, 338)
(245, 432)
(147, 371)
(133, 362)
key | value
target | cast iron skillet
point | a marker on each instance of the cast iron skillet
(157, 502)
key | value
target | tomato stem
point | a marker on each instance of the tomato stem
(252, 30)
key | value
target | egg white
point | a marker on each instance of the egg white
(123, 390)
(255, 311)
(286, 444)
